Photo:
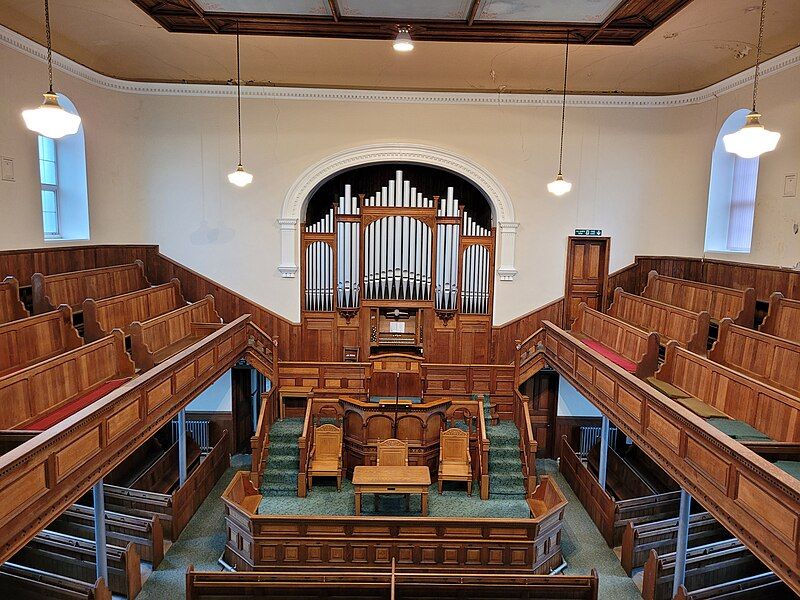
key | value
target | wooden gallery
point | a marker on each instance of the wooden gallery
(391, 299)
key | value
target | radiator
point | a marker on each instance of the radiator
(590, 436)
(199, 429)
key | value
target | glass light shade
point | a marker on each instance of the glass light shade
(559, 187)
(50, 119)
(240, 177)
(403, 41)
(751, 140)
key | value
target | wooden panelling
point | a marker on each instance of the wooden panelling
(23, 468)
(782, 318)
(101, 316)
(720, 302)
(771, 411)
(11, 308)
(670, 322)
(31, 393)
(74, 287)
(28, 341)
(156, 339)
(504, 337)
(663, 434)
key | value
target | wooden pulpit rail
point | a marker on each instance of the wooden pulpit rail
(45, 475)
(752, 498)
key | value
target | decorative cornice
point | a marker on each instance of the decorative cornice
(20, 43)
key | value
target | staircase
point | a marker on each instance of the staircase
(505, 469)
(280, 476)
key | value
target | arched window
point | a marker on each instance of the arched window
(731, 194)
(62, 175)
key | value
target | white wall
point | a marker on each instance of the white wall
(157, 167)
(572, 404)
(218, 397)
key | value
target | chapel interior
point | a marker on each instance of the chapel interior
(399, 299)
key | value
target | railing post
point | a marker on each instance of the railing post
(181, 447)
(682, 542)
(601, 475)
(100, 556)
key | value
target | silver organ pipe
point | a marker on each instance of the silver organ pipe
(319, 266)
(348, 240)
(447, 254)
(475, 280)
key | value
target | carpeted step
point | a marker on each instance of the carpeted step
(283, 462)
(280, 477)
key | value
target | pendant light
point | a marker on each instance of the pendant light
(403, 41)
(50, 119)
(561, 186)
(753, 139)
(239, 177)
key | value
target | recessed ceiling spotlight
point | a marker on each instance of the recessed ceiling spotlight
(403, 41)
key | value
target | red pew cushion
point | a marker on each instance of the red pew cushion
(623, 362)
(67, 410)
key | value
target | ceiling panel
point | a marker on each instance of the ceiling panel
(551, 11)
(406, 9)
(267, 7)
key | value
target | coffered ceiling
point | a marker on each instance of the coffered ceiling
(700, 44)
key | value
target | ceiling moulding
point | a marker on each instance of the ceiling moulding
(30, 48)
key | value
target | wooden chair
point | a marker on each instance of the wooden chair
(326, 455)
(392, 453)
(454, 460)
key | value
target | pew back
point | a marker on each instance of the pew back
(769, 410)
(153, 340)
(689, 329)
(101, 316)
(11, 307)
(74, 287)
(783, 318)
(720, 302)
(772, 360)
(47, 386)
(27, 341)
(24, 583)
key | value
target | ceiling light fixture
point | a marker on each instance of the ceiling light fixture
(403, 41)
(50, 119)
(560, 186)
(239, 177)
(753, 139)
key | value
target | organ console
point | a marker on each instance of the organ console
(395, 260)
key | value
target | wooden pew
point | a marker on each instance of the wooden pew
(754, 587)
(612, 515)
(689, 329)
(661, 536)
(399, 585)
(27, 341)
(74, 287)
(622, 343)
(772, 412)
(706, 566)
(155, 340)
(101, 316)
(146, 535)
(11, 307)
(24, 583)
(162, 475)
(37, 397)
(75, 558)
(769, 359)
(783, 318)
(720, 302)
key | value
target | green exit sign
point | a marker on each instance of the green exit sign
(593, 232)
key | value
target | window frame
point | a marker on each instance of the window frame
(50, 187)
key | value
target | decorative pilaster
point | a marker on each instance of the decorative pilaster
(288, 266)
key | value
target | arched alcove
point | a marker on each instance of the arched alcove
(301, 192)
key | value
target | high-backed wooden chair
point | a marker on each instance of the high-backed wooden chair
(326, 455)
(392, 453)
(454, 460)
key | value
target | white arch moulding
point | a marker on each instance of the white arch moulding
(297, 197)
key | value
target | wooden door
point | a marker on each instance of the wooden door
(542, 389)
(586, 276)
(242, 408)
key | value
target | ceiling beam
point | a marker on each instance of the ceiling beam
(334, 10)
(473, 12)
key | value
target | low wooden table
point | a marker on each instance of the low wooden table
(392, 480)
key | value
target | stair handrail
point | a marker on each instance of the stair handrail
(266, 347)
(304, 443)
(259, 442)
(527, 442)
(526, 350)
(483, 454)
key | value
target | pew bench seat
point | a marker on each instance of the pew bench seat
(738, 430)
(173, 349)
(792, 467)
(685, 399)
(666, 388)
(608, 353)
(58, 415)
